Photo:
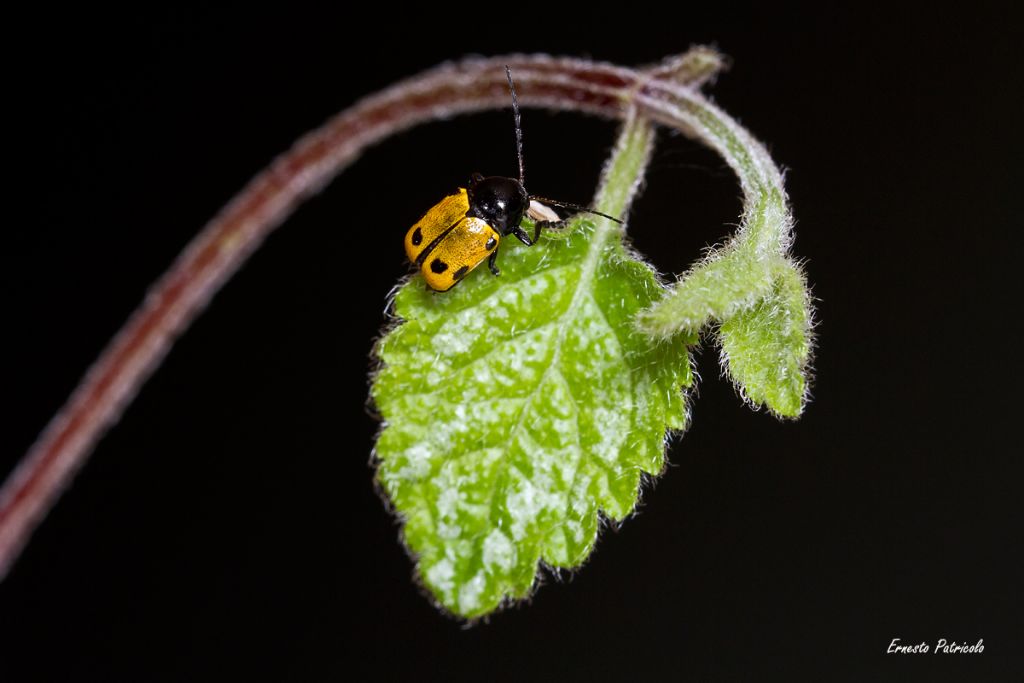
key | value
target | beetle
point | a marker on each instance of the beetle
(466, 227)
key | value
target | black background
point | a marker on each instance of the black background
(229, 525)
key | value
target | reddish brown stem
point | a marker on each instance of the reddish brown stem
(218, 251)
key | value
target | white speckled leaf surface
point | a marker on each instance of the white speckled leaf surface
(517, 407)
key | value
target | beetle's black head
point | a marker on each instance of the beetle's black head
(499, 201)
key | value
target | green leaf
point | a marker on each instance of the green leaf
(518, 407)
(765, 348)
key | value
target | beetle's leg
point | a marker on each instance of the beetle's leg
(523, 237)
(492, 262)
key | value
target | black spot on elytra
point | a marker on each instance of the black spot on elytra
(491, 243)
(460, 273)
(438, 266)
(417, 237)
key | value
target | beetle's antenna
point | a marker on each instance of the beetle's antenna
(519, 153)
(519, 130)
(574, 207)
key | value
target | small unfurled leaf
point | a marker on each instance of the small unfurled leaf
(765, 348)
(749, 286)
(518, 407)
(715, 289)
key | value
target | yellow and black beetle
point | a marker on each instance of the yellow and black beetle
(464, 228)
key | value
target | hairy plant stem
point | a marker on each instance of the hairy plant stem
(666, 93)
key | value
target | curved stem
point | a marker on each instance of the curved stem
(222, 246)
